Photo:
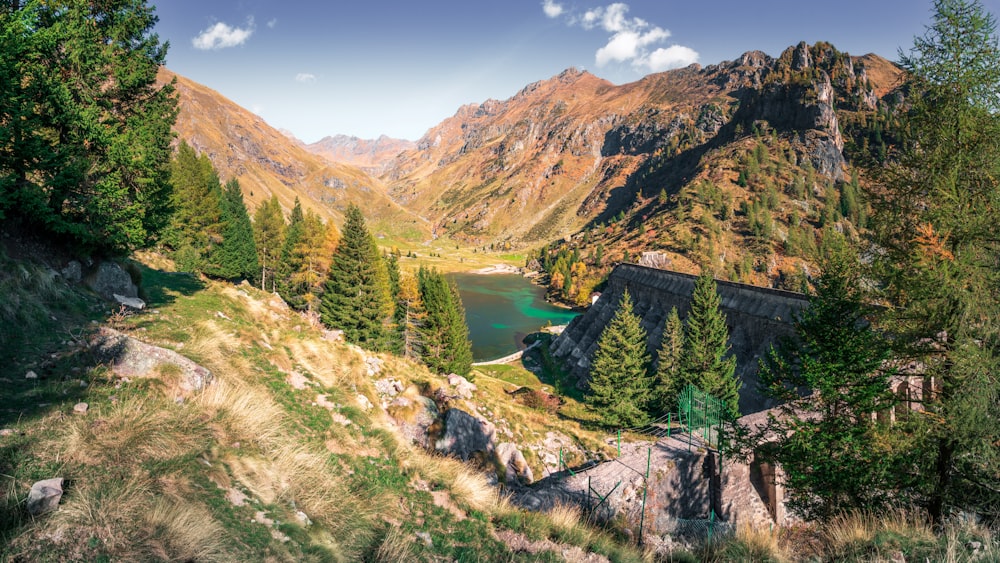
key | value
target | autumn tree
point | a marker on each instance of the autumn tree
(269, 235)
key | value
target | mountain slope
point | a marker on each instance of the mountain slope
(370, 155)
(265, 161)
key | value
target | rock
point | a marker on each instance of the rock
(44, 496)
(364, 403)
(464, 435)
(303, 518)
(426, 537)
(73, 272)
(414, 414)
(897, 557)
(974, 546)
(333, 335)
(516, 467)
(31, 375)
(388, 387)
(80, 408)
(373, 365)
(131, 302)
(6, 432)
(462, 386)
(109, 279)
(297, 380)
(129, 357)
(236, 497)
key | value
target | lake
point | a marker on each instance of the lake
(501, 309)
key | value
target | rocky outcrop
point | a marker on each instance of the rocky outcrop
(465, 435)
(756, 317)
(129, 357)
(414, 415)
(110, 279)
(513, 465)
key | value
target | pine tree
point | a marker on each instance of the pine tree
(833, 454)
(290, 262)
(445, 334)
(620, 386)
(313, 254)
(85, 126)
(269, 235)
(705, 362)
(668, 362)
(195, 227)
(935, 213)
(356, 297)
(236, 256)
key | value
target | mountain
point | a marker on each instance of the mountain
(266, 161)
(367, 154)
(763, 144)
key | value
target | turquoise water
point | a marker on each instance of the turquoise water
(501, 310)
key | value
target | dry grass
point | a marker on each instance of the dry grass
(181, 531)
(395, 546)
(850, 533)
(243, 413)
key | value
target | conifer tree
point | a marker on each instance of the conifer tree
(935, 215)
(269, 235)
(620, 383)
(313, 254)
(290, 261)
(833, 454)
(410, 316)
(445, 334)
(236, 255)
(668, 362)
(356, 297)
(195, 226)
(705, 361)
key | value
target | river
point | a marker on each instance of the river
(501, 309)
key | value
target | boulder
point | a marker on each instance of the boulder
(516, 468)
(44, 496)
(131, 302)
(110, 278)
(462, 386)
(414, 415)
(464, 435)
(73, 272)
(80, 408)
(130, 358)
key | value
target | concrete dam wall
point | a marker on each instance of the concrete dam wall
(756, 317)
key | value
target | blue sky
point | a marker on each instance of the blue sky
(373, 67)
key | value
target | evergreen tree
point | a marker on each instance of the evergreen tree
(620, 383)
(833, 454)
(290, 262)
(705, 362)
(356, 298)
(445, 334)
(195, 227)
(86, 128)
(668, 362)
(236, 256)
(269, 235)
(936, 210)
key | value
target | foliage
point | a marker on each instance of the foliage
(620, 383)
(444, 334)
(668, 362)
(195, 224)
(704, 361)
(356, 297)
(936, 208)
(235, 256)
(834, 456)
(84, 128)
(269, 235)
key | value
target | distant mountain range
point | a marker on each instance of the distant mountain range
(572, 153)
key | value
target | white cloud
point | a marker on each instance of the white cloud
(305, 77)
(222, 35)
(552, 9)
(674, 56)
(272, 22)
(632, 40)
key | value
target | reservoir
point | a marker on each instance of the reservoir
(501, 309)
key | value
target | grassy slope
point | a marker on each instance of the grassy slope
(252, 468)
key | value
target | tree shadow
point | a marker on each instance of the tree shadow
(161, 288)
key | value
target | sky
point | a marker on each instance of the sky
(369, 67)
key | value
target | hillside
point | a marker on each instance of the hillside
(632, 167)
(369, 155)
(265, 161)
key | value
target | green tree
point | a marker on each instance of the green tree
(935, 214)
(668, 362)
(445, 334)
(706, 362)
(195, 225)
(356, 297)
(290, 261)
(85, 129)
(236, 256)
(269, 235)
(620, 386)
(834, 456)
